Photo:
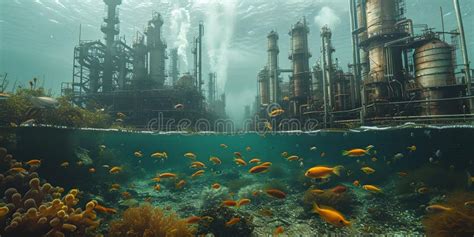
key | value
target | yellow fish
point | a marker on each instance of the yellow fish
(198, 173)
(180, 184)
(197, 164)
(215, 160)
(412, 148)
(367, 170)
(292, 158)
(268, 125)
(34, 162)
(223, 146)
(239, 161)
(115, 170)
(157, 187)
(254, 160)
(372, 188)
(138, 154)
(162, 155)
(331, 216)
(190, 155)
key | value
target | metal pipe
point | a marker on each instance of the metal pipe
(355, 51)
(442, 22)
(463, 49)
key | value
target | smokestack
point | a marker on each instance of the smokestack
(300, 80)
(174, 71)
(110, 28)
(272, 66)
(157, 50)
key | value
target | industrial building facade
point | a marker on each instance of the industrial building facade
(400, 72)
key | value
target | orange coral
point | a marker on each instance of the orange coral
(41, 210)
(146, 221)
(458, 222)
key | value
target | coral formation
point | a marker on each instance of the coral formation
(41, 210)
(213, 197)
(423, 177)
(457, 222)
(220, 216)
(146, 221)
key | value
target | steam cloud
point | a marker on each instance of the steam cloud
(179, 28)
(220, 22)
(327, 16)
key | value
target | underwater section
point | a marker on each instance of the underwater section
(409, 180)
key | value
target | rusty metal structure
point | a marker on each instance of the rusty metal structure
(300, 85)
(131, 79)
(400, 72)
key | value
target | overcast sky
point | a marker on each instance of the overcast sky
(37, 37)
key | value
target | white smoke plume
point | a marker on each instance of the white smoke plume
(327, 16)
(179, 28)
(219, 30)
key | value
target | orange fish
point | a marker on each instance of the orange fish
(258, 169)
(248, 148)
(91, 170)
(323, 154)
(18, 170)
(292, 158)
(215, 160)
(114, 187)
(255, 160)
(402, 174)
(279, 230)
(229, 203)
(422, 190)
(33, 162)
(331, 216)
(197, 173)
(216, 186)
(437, 208)
(167, 175)
(317, 191)
(238, 154)
(65, 164)
(126, 195)
(157, 187)
(356, 183)
(180, 184)
(232, 221)
(193, 219)
(355, 152)
(323, 171)
(197, 164)
(241, 162)
(276, 193)
(105, 210)
(156, 179)
(242, 202)
(115, 170)
(266, 164)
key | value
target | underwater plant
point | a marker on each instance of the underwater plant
(457, 221)
(423, 176)
(148, 221)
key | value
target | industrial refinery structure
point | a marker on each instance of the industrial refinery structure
(401, 72)
(133, 80)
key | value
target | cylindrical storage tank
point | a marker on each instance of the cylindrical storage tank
(376, 63)
(434, 64)
(300, 58)
(381, 16)
(434, 72)
(361, 21)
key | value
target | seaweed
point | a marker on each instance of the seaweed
(148, 221)
(457, 222)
